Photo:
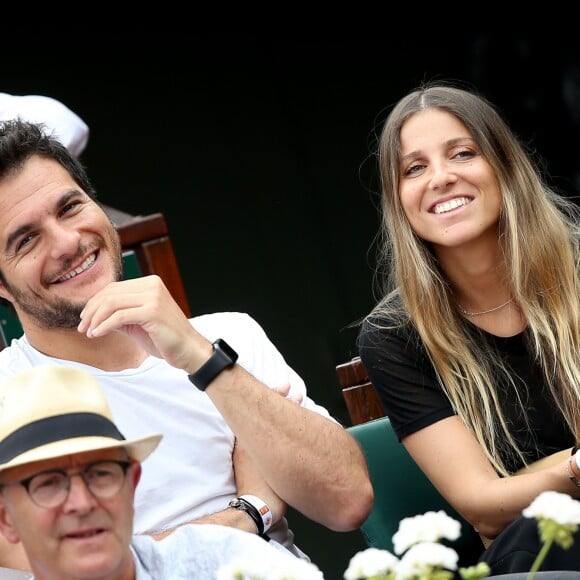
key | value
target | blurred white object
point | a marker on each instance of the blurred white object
(12, 574)
(64, 124)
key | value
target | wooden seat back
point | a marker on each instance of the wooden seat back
(362, 401)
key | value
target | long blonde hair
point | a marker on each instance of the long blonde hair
(538, 235)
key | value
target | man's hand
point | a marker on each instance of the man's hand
(143, 309)
(285, 389)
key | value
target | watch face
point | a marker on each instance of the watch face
(226, 349)
(223, 357)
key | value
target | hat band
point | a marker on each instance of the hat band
(54, 429)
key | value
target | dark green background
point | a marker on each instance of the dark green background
(260, 158)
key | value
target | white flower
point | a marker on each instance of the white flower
(429, 527)
(300, 570)
(422, 559)
(236, 571)
(370, 562)
(558, 517)
(229, 572)
(295, 569)
(552, 505)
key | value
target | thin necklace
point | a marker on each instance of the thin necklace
(467, 313)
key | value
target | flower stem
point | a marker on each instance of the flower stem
(540, 558)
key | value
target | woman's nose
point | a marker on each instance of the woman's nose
(441, 176)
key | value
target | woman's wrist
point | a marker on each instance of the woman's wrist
(573, 468)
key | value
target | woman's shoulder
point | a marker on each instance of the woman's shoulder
(386, 323)
(389, 335)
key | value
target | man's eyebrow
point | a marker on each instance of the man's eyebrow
(12, 237)
(21, 230)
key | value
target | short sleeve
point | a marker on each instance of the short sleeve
(403, 376)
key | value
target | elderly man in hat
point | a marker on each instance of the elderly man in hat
(67, 485)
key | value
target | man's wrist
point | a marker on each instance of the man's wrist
(257, 510)
(223, 357)
(244, 521)
(263, 509)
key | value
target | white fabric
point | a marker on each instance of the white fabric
(197, 551)
(59, 120)
(190, 474)
(13, 574)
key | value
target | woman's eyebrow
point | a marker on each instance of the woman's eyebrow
(449, 143)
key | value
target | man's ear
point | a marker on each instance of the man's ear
(7, 528)
(4, 293)
(136, 470)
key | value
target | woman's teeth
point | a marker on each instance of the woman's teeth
(451, 204)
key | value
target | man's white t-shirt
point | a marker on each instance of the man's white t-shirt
(190, 474)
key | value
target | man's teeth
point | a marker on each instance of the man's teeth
(78, 270)
(451, 204)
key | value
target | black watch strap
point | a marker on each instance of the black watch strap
(223, 357)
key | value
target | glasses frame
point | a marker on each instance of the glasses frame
(83, 473)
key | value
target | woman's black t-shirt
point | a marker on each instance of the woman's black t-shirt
(405, 380)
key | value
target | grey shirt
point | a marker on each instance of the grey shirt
(198, 550)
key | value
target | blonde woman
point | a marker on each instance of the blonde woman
(474, 347)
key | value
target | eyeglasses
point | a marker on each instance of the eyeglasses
(50, 489)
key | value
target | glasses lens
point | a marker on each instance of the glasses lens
(49, 489)
(104, 480)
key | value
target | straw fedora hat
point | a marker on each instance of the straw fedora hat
(52, 411)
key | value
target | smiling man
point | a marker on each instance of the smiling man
(236, 419)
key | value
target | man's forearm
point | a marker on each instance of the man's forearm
(309, 461)
(228, 517)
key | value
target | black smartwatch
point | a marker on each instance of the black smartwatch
(223, 357)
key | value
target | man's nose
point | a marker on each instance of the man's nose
(63, 240)
(80, 498)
